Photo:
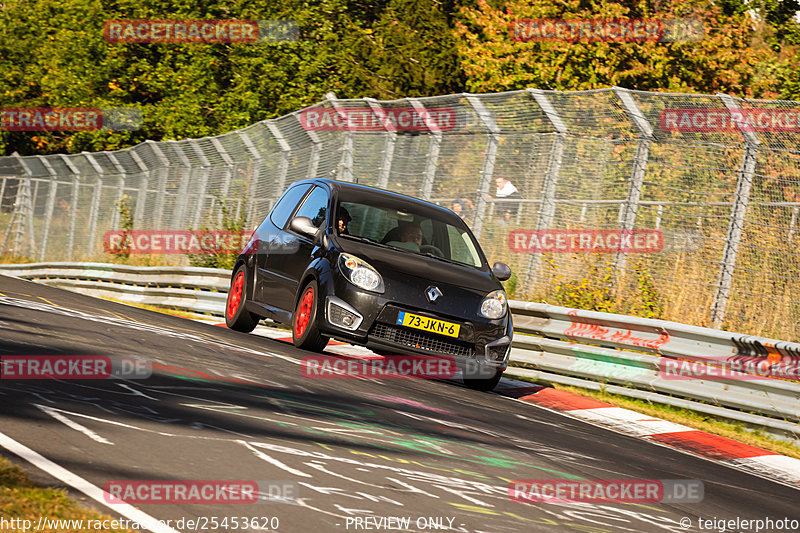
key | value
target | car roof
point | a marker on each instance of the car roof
(401, 199)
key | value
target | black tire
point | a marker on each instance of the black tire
(484, 384)
(237, 317)
(305, 330)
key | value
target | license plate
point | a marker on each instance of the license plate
(428, 324)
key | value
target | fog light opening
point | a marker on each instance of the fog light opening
(497, 350)
(342, 315)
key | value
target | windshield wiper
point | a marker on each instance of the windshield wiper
(453, 261)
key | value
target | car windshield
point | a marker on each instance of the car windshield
(408, 231)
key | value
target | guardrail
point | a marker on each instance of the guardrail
(621, 354)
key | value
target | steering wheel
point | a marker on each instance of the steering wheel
(431, 249)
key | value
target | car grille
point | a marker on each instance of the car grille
(420, 340)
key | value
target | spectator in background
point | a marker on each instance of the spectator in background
(462, 208)
(506, 191)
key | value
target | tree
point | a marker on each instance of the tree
(721, 62)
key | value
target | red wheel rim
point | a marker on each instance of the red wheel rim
(303, 312)
(235, 294)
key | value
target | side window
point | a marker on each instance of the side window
(281, 211)
(458, 246)
(315, 207)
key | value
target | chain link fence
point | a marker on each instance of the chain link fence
(724, 192)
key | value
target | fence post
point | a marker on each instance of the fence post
(205, 166)
(162, 182)
(346, 163)
(93, 212)
(286, 151)
(73, 205)
(489, 160)
(48, 212)
(435, 143)
(388, 148)
(736, 226)
(547, 207)
(179, 216)
(313, 158)
(120, 188)
(22, 216)
(226, 183)
(251, 176)
(141, 198)
(631, 206)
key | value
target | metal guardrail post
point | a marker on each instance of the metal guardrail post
(547, 209)
(286, 151)
(48, 210)
(346, 163)
(631, 206)
(389, 144)
(435, 144)
(736, 227)
(487, 172)
(98, 191)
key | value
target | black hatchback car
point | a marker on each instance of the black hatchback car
(375, 268)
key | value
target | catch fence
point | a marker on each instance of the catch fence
(718, 176)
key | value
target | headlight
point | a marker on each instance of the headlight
(360, 273)
(494, 305)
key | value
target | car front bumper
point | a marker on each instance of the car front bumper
(370, 319)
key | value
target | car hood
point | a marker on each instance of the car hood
(388, 260)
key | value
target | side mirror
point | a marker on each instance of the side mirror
(303, 226)
(501, 271)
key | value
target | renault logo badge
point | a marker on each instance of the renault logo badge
(433, 293)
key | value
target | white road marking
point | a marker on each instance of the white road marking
(146, 521)
(74, 425)
(271, 460)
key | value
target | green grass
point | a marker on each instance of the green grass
(20, 498)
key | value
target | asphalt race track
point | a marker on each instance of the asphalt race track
(223, 405)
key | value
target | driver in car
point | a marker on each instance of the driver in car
(410, 238)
